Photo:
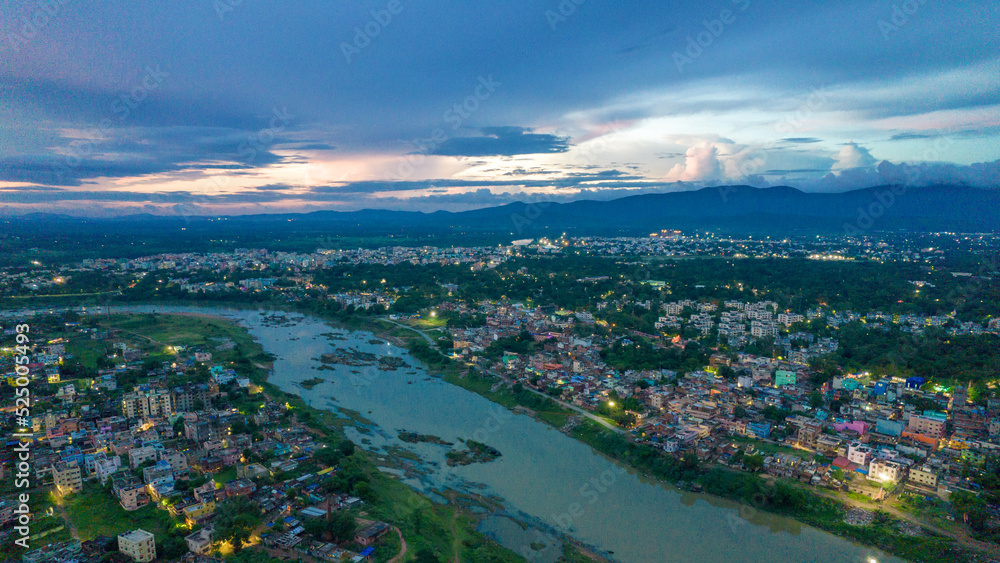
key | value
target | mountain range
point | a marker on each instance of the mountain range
(726, 208)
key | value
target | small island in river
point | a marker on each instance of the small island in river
(310, 383)
(477, 453)
(414, 438)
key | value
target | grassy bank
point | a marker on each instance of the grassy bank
(447, 531)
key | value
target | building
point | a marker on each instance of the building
(190, 397)
(197, 513)
(923, 476)
(131, 492)
(54, 553)
(370, 533)
(885, 470)
(66, 477)
(140, 545)
(148, 403)
(200, 542)
(782, 378)
(105, 468)
(930, 424)
(138, 456)
(859, 453)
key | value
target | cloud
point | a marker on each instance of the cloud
(701, 163)
(502, 141)
(854, 156)
(802, 140)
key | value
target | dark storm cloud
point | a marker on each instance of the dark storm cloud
(502, 141)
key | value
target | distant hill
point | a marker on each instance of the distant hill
(727, 208)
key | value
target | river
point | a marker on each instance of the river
(543, 477)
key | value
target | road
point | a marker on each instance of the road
(582, 411)
(429, 340)
(570, 406)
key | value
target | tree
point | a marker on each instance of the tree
(754, 462)
(341, 526)
(236, 519)
(816, 399)
(425, 555)
(346, 447)
(970, 508)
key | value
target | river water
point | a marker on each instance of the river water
(543, 476)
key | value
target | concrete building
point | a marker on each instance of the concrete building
(929, 424)
(885, 470)
(149, 403)
(200, 542)
(923, 476)
(859, 453)
(67, 478)
(138, 456)
(139, 544)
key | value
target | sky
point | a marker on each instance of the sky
(210, 107)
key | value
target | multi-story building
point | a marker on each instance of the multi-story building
(138, 544)
(190, 397)
(66, 477)
(176, 460)
(859, 453)
(107, 467)
(885, 470)
(147, 403)
(930, 424)
(923, 476)
(131, 492)
(138, 456)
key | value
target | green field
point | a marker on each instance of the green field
(96, 512)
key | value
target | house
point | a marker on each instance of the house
(199, 512)
(200, 542)
(370, 533)
(130, 491)
(139, 545)
(885, 470)
(240, 487)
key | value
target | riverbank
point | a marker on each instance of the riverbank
(779, 497)
(557, 416)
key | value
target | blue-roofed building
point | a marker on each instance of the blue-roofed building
(759, 429)
(915, 382)
(881, 387)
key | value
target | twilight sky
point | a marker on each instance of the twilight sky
(252, 106)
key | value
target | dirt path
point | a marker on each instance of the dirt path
(402, 548)
(69, 522)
